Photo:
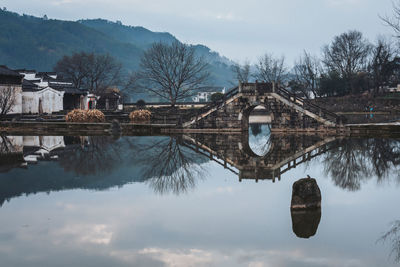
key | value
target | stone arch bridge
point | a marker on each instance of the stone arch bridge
(289, 113)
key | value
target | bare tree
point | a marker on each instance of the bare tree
(73, 68)
(307, 71)
(347, 55)
(271, 69)
(7, 99)
(172, 72)
(103, 71)
(383, 64)
(242, 72)
(394, 21)
(90, 71)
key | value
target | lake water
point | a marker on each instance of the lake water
(197, 200)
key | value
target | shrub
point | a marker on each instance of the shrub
(80, 115)
(95, 115)
(140, 116)
(140, 103)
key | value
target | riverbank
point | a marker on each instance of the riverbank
(115, 128)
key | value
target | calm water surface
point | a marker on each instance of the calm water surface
(197, 200)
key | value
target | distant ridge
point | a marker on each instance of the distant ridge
(38, 43)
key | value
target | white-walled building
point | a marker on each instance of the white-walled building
(205, 96)
(46, 100)
(37, 93)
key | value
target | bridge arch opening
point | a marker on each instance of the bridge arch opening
(259, 128)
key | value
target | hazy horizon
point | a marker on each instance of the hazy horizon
(240, 31)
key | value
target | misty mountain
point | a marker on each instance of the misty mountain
(38, 43)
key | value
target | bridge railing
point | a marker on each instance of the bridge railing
(258, 88)
(211, 105)
(307, 105)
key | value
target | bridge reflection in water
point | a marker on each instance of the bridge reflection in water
(234, 153)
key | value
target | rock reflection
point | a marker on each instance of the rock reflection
(305, 222)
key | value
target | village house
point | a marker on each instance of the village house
(109, 100)
(43, 92)
(58, 94)
(205, 93)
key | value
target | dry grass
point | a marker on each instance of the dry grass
(140, 116)
(80, 115)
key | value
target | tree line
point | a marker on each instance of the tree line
(350, 64)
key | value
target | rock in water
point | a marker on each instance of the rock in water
(306, 194)
(305, 207)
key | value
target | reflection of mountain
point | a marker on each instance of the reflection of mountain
(100, 163)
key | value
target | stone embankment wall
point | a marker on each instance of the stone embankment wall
(82, 129)
(360, 103)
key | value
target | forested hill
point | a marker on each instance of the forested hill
(38, 43)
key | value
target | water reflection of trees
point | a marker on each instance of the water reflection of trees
(255, 128)
(259, 138)
(352, 161)
(90, 155)
(170, 165)
(393, 236)
(5, 144)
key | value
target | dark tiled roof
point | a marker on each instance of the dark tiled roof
(25, 71)
(7, 72)
(46, 76)
(76, 91)
(47, 73)
(28, 86)
(109, 95)
(67, 88)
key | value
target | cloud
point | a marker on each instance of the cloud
(62, 2)
(99, 234)
(230, 16)
(343, 3)
(253, 258)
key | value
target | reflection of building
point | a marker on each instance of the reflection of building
(32, 148)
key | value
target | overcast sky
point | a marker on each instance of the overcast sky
(237, 29)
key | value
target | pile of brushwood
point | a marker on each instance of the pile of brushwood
(141, 115)
(80, 115)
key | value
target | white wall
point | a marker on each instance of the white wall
(52, 101)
